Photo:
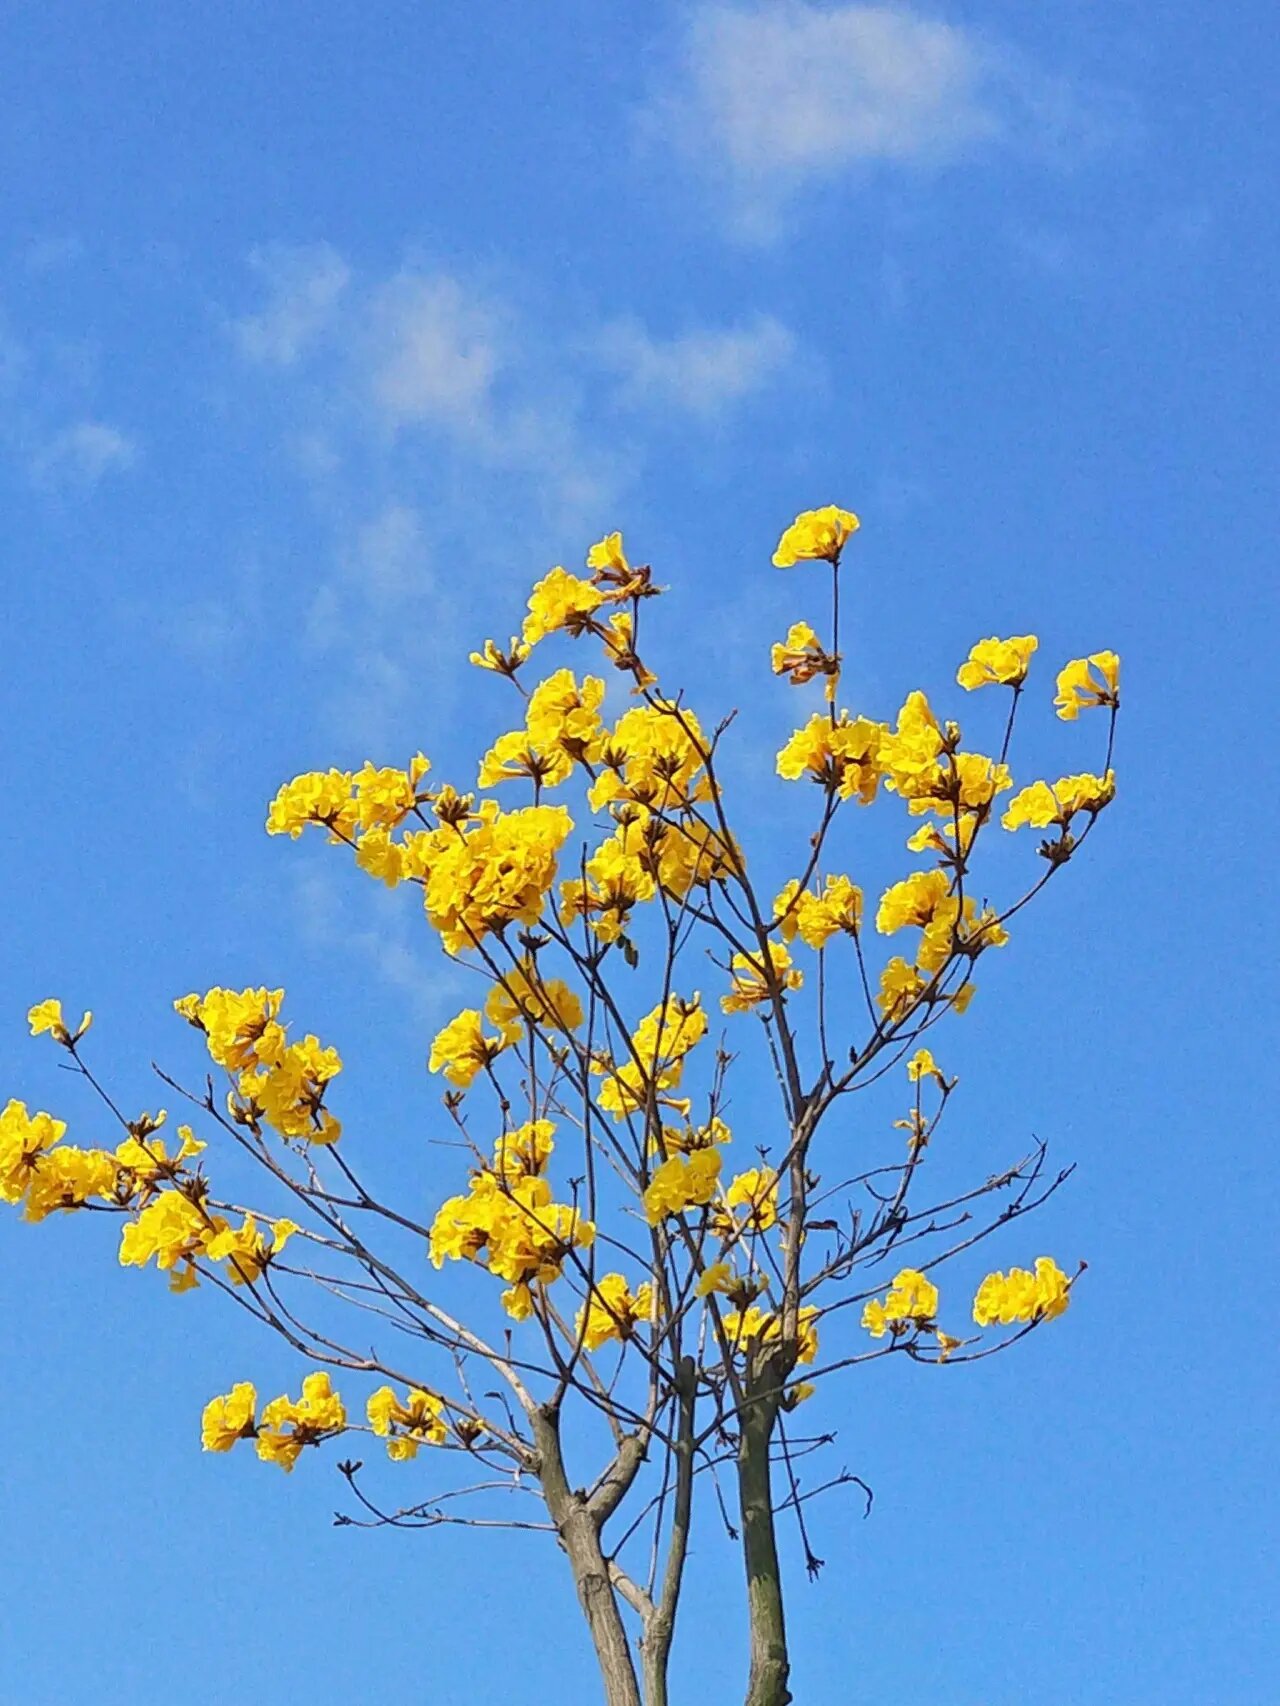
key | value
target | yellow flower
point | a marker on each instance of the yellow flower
(406, 1426)
(816, 533)
(901, 986)
(1022, 1296)
(801, 656)
(229, 1418)
(1094, 680)
(751, 1327)
(607, 553)
(461, 1050)
(1041, 804)
(524, 1151)
(684, 1181)
(496, 872)
(756, 1190)
(922, 1065)
(318, 797)
(752, 985)
(842, 756)
(911, 1300)
(816, 918)
(25, 1140)
(994, 661)
(289, 1424)
(560, 600)
(613, 1311)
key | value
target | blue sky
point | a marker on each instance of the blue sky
(323, 331)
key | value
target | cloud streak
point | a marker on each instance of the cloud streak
(769, 100)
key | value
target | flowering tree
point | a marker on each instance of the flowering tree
(648, 1310)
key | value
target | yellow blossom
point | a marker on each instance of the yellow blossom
(418, 1420)
(289, 1424)
(754, 983)
(996, 661)
(911, 1300)
(756, 1191)
(922, 1065)
(842, 757)
(1041, 803)
(560, 600)
(683, 1181)
(1022, 1296)
(816, 918)
(1094, 680)
(751, 1327)
(613, 1311)
(816, 533)
(801, 656)
(46, 1016)
(461, 1049)
(501, 663)
(229, 1418)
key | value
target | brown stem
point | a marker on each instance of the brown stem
(770, 1668)
(660, 1625)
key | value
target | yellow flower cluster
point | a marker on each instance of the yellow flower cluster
(816, 534)
(816, 918)
(841, 756)
(682, 1182)
(525, 998)
(461, 1049)
(508, 1221)
(1022, 1296)
(562, 728)
(1043, 803)
(613, 1311)
(754, 980)
(997, 662)
(45, 1175)
(947, 926)
(644, 854)
(348, 802)
(285, 1426)
(279, 1083)
(176, 1228)
(911, 1301)
(756, 1192)
(655, 1062)
(1094, 680)
(493, 873)
(749, 1328)
(407, 1426)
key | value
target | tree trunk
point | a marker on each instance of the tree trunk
(770, 1668)
(579, 1530)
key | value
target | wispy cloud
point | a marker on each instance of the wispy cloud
(700, 372)
(771, 99)
(435, 352)
(81, 455)
(304, 288)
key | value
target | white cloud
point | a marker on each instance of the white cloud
(389, 556)
(82, 454)
(773, 98)
(435, 352)
(700, 372)
(305, 286)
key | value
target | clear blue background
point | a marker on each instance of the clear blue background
(323, 330)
